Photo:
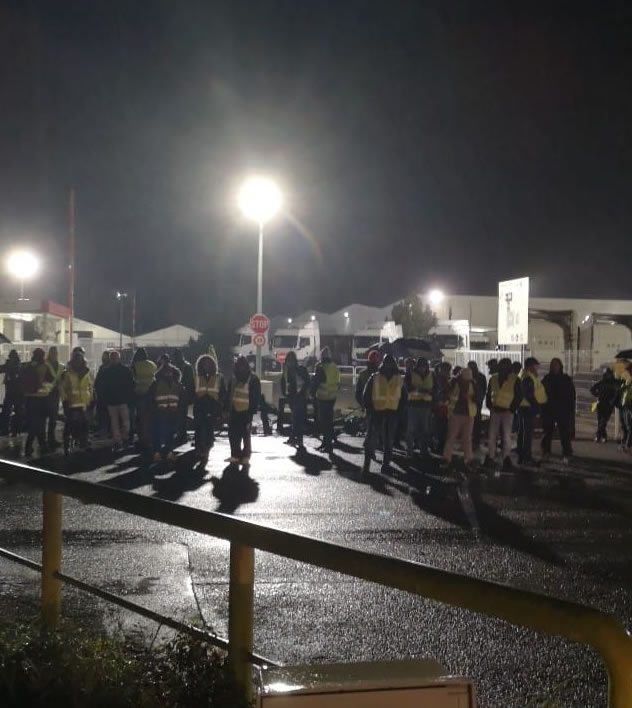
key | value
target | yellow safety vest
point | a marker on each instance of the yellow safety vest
(207, 386)
(167, 399)
(626, 396)
(55, 373)
(240, 396)
(455, 393)
(502, 396)
(422, 387)
(328, 390)
(76, 390)
(538, 389)
(144, 372)
(386, 393)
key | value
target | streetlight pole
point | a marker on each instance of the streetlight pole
(260, 292)
(119, 297)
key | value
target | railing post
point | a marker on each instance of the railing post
(51, 558)
(240, 615)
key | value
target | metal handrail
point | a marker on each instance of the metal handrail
(519, 607)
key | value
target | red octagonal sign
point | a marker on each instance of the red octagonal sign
(259, 323)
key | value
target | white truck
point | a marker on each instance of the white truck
(243, 343)
(367, 337)
(303, 339)
(451, 334)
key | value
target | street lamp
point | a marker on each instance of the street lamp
(22, 265)
(259, 200)
(120, 296)
(435, 297)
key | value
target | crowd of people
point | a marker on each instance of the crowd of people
(426, 410)
(144, 405)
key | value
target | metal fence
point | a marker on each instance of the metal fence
(531, 610)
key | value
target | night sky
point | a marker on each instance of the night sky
(419, 144)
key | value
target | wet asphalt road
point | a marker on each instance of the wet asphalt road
(563, 531)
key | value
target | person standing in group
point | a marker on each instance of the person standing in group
(13, 397)
(504, 394)
(36, 382)
(420, 384)
(480, 387)
(143, 373)
(533, 398)
(187, 379)
(118, 392)
(606, 390)
(624, 371)
(210, 397)
(244, 395)
(372, 364)
(559, 409)
(384, 397)
(77, 393)
(462, 412)
(441, 405)
(492, 366)
(103, 418)
(295, 387)
(325, 389)
(56, 370)
(166, 397)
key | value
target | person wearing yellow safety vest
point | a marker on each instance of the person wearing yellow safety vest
(166, 396)
(143, 372)
(384, 399)
(623, 370)
(325, 386)
(504, 394)
(242, 400)
(462, 410)
(295, 386)
(56, 370)
(533, 398)
(209, 391)
(420, 385)
(76, 391)
(36, 381)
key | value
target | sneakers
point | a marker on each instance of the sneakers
(157, 458)
(245, 461)
(171, 456)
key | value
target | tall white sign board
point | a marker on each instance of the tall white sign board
(513, 311)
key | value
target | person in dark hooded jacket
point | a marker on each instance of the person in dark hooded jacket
(13, 397)
(559, 408)
(606, 390)
(209, 397)
(384, 399)
(242, 401)
(166, 398)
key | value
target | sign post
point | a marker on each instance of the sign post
(513, 312)
(259, 325)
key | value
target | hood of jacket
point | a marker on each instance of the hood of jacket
(162, 372)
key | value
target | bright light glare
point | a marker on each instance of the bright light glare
(346, 315)
(259, 199)
(289, 320)
(313, 317)
(22, 264)
(435, 297)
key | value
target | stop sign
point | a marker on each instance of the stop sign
(259, 323)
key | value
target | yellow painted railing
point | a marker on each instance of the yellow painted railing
(519, 607)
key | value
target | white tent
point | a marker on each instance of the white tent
(173, 336)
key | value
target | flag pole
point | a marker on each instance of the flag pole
(71, 263)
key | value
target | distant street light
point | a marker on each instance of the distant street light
(289, 320)
(120, 296)
(346, 315)
(259, 200)
(22, 265)
(436, 297)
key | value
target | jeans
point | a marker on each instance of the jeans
(53, 412)
(239, 425)
(299, 413)
(119, 422)
(13, 401)
(418, 428)
(603, 416)
(477, 429)
(326, 422)
(165, 428)
(382, 425)
(459, 426)
(205, 414)
(564, 426)
(500, 422)
(36, 410)
(626, 415)
(526, 424)
(76, 426)
(145, 426)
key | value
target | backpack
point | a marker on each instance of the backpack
(29, 379)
